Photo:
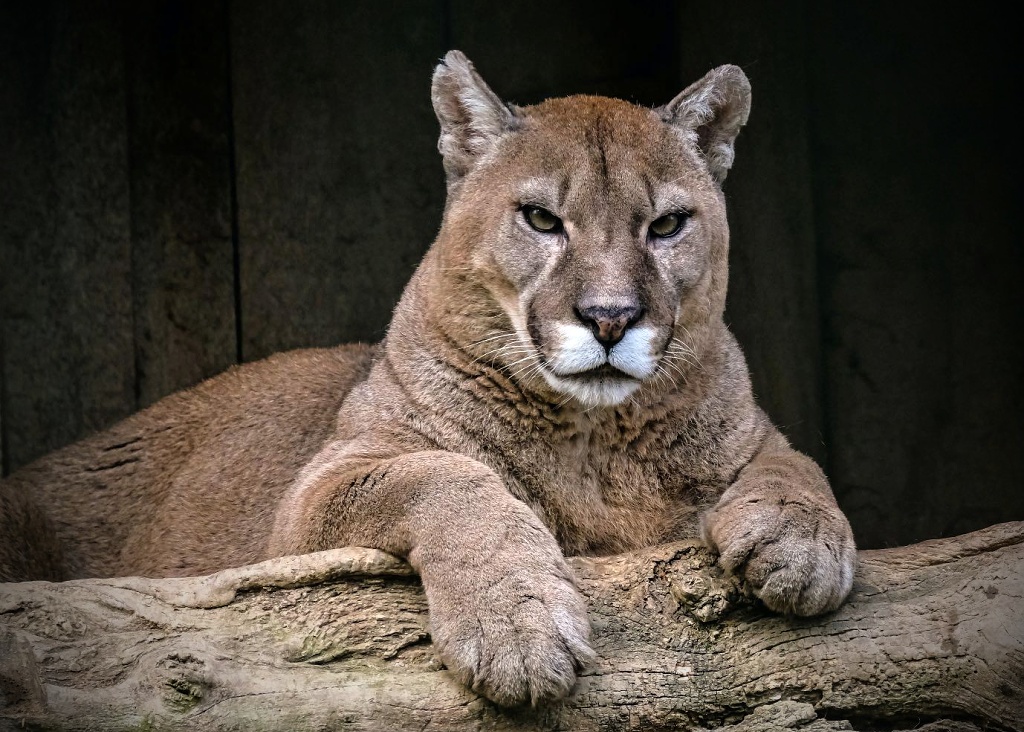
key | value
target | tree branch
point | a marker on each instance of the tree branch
(340, 640)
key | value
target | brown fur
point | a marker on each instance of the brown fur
(477, 442)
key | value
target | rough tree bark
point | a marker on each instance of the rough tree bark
(933, 635)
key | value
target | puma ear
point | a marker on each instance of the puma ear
(711, 111)
(472, 116)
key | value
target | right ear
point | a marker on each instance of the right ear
(472, 116)
(711, 112)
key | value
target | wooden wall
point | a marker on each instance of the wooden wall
(187, 184)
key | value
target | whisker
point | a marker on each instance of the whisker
(530, 362)
(525, 375)
(528, 357)
(684, 347)
(564, 401)
(660, 376)
(491, 338)
(677, 346)
(511, 350)
(670, 361)
(685, 358)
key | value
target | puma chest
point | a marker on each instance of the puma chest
(600, 499)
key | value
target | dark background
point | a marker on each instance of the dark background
(186, 185)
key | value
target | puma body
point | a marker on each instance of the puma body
(186, 487)
(192, 484)
(557, 378)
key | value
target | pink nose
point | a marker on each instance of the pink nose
(609, 324)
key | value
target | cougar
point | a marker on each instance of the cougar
(557, 379)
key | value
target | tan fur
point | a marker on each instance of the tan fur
(481, 441)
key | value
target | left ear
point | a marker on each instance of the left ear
(712, 111)
(472, 116)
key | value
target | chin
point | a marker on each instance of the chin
(598, 391)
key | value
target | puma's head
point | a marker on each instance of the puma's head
(584, 245)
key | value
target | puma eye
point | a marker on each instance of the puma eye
(542, 220)
(667, 225)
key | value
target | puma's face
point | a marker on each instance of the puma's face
(593, 225)
(597, 241)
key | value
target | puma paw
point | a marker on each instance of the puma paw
(519, 637)
(798, 558)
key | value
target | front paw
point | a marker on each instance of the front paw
(511, 630)
(796, 554)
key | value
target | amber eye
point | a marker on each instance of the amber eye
(667, 225)
(542, 220)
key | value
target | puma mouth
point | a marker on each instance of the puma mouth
(604, 371)
(604, 386)
(580, 367)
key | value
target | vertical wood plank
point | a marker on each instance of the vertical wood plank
(773, 299)
(179, 136)
(340, 188)
(919, 190)
(3, 434)
(65, 258)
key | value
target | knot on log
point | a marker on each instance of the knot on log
(182, 680)
(697, 586)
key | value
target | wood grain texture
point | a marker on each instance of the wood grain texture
(66, 253)
(180, 175)
(918, 205)
(340, 640)
(3, 437)
(340, 187)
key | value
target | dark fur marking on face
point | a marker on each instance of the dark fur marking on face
(533, 326)
(648, 265)
(636, 223)
(563, 192)
(595, 137)
(649, 190)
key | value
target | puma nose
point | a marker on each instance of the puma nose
(609, 322)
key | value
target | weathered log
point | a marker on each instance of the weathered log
(340, 640)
